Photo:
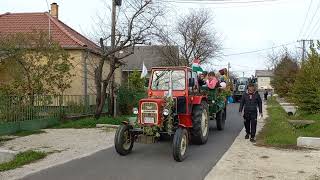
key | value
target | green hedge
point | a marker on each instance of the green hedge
(128, 98)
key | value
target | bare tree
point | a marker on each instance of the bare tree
(273, 59)
(135, 23)
(196, 39)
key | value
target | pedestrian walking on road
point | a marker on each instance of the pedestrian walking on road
(251, 102)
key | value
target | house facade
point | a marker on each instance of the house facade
(264, 78)
(84, 54)
(151, 56)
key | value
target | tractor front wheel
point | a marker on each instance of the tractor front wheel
(200, 121)
(180, 144)
(220, 119)
(123, 140)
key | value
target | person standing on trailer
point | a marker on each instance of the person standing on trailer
(251, 102)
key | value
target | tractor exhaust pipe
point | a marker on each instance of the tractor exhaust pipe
(170, 84)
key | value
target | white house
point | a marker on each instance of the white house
(264, 78)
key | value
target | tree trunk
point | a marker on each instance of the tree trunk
(98, 81)
(111, 92)
(102, 89)
(101, 100)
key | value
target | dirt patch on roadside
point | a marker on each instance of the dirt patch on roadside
(62, 145)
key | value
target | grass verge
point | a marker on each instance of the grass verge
(28, 133)
(4, 139)
(21, 159)
(90, 122)
(279, 133)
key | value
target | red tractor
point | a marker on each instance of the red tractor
(175, 107)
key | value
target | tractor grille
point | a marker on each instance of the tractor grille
(149, 113)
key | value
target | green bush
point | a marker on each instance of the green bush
(128, 98)
(306, 90)
(130, 94)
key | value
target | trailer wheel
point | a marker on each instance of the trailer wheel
(220, 119)
(180, 144)
(200, 121)
(123, 140)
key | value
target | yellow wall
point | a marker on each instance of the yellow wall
(92, 62)
(77, 58)
(77, 71)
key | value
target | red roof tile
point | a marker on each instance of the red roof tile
(27, 22)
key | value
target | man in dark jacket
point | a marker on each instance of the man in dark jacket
(250, 102)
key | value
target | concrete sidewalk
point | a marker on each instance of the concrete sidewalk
(245, 161)
(63, 145)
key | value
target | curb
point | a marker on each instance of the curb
(308, 142)
(107, 126)
(7, 155)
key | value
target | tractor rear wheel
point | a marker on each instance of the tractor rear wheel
(180, 144)
(220, 119)
(200, 122)
(123, 140)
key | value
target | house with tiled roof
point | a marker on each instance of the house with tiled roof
(84, 53)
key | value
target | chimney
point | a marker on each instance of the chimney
(54, 10)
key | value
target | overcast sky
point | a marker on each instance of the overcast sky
(242, 27)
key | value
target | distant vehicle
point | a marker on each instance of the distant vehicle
(240, 86)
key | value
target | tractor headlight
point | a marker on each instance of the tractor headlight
(135, 111)
(166, 112)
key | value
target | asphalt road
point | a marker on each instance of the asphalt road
(150, 162)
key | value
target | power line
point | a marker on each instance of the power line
(317, 29)
(218, 2)
(258, 50)
(218, 5)
(305, 19)
(313, 28)
(47, 5)
(315, 13)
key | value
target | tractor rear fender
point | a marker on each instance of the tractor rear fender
(199, 99)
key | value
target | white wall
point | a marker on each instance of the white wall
(264, 83)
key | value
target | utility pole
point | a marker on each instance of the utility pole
(304, 47)
(112, 104)
(229, 66)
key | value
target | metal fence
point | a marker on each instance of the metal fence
(23, 108)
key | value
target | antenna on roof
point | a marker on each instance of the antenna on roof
(49, 28)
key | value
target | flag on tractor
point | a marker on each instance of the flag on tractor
(196, 65)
